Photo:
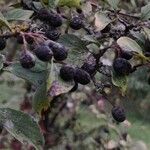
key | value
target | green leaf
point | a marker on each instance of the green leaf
(18, 14)
(40, 99)
(101, 21)
(145, 12)
(51, 3)
(21, 126)
(128, 44)
(73, 42)
(139, 37)
(147, 32)
(37, 5)
(120, 81)
(3, 21)
(70, 3)
(113, 3)
(77, 48)
(35, 76)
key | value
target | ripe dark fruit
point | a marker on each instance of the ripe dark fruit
(76, 23)
(89, 68)
(27, 60)
(60, 52)
(53, 34)
(67, 73)
(121, 66)
(2, 43)
(55, 20)
(118, 114)
(126, 55)
(81, 77)
(44, 53)
(28, 39)
(43, 14)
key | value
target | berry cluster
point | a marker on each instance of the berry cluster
(48, 49)
(68, 73)
(44, 53)
(45, 46)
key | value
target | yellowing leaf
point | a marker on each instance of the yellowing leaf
(4, 22)
(70, 3)
(120, 81)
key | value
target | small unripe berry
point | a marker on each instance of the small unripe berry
(81, 77)
(44, 53)
(60, 52)
(126, 55)
(2, 43)
(27, 60)
(76, 23)
(89, 68)
(52, 35)
(121, 66)
(67, 73)
(118, 114)
(55, 20)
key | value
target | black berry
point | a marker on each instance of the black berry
(60, 52)
(76, 23)
(53, 34)
(43, 14)
(28, 39)
(121, 66)
(55, 20)
(89, 68)
(44, 53)
(81, 76)
(67, 73)
(118, 114)
(27, 60)
(2, 43)
(126, 55)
